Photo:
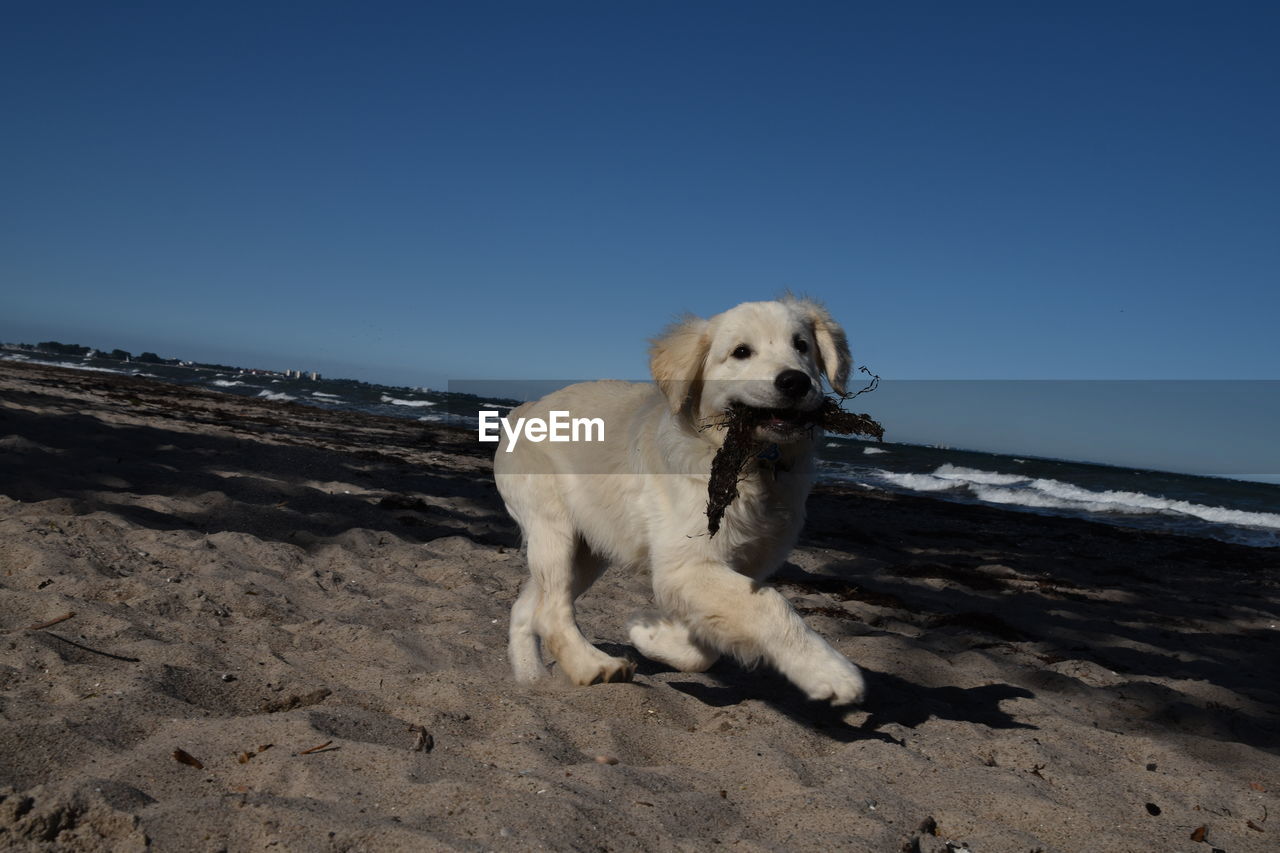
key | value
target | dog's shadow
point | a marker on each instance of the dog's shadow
(891, 700)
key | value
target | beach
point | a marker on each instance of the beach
(240, 624)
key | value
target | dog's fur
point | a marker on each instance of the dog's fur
(638, 500)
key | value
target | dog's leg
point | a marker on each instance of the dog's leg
(668, 641)
(522, 647)
(736, 615)
(561, 574)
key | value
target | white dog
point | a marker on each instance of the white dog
(638, 499)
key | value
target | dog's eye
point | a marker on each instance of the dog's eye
(802, 346)
(743, 351)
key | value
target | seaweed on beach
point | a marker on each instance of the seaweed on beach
(741, 446)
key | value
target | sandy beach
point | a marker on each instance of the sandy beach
(233, 624)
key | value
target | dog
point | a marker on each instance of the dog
(637, 500)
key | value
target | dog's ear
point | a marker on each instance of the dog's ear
(677, 357)
(833, 345)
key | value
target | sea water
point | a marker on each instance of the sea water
(1232, 510)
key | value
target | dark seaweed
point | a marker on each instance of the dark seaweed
(741, 445)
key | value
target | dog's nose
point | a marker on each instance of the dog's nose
(792, 383)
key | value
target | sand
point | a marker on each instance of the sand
(308, 608)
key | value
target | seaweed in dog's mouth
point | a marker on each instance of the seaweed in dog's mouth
(741, 444)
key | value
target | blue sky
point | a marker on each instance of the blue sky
(422, 191)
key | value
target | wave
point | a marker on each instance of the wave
(416, 403)
(278, 396)
(450, 418)
(872, 451)
(226, 383)
(1130, 502)
(75, 365)
(915, 482)
(326, 396)
(1013, 490)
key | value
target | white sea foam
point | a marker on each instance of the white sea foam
(1024, 497)
(1012, 490)
(226, 383)
(451, 419)
(872, 451)
(1137, 502)
(279, 396)
(917, 482)
(77, 366)
(415, 403)
(325, 396)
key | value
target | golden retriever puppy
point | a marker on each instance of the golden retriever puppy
(636, 498)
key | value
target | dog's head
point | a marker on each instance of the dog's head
(763, 355)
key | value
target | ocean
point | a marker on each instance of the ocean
(1240, 511)
(1231, 510)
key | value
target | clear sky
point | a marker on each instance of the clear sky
(418, 192)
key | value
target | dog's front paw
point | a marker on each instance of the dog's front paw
(618, 669)
(831, 678)
(595, 667)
